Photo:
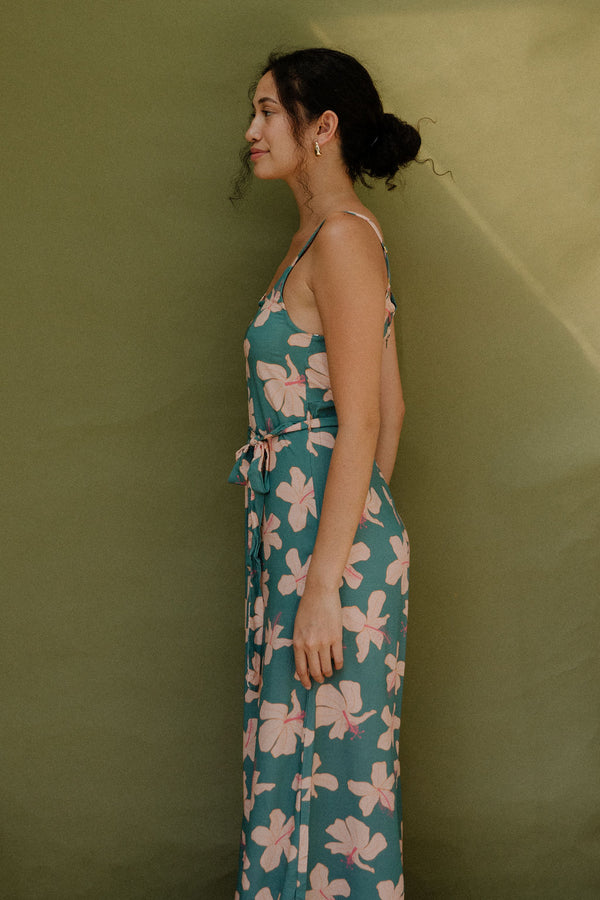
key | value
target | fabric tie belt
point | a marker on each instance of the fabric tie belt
(254, 461)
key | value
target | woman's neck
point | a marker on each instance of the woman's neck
(327, 191)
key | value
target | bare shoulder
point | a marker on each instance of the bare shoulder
(345, 232)
(348, 244)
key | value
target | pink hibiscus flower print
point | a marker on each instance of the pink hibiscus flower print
(321, 437)
(250, 739)
(394, 677)
(353, 839)
(340, 708)
(273, 641)
(300, 339)
(358, 553)
(296, 581)
(303, 849)
(399, 568)
(284, 391)
(370, 627)
(253, 678)
(264, 587)
(390, 309)
(265, 894)
(318, 374)
(270, 303)
(377, 791)
(256, 622)
(392, 721)
(276, 839)
(372, 507)
(251, 416)
(387, 891)
(322, 889)
(312, 782)
(309, 735)
(246, 865)
(280, 727)
(252, 526)
(256, 789)
(270, 538)
(388, 497)
(300, 494)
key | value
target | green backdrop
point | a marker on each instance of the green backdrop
(129, 280)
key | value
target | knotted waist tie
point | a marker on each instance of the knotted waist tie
(253, 464)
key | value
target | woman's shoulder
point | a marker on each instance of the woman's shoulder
(347, 232)
(351, 220)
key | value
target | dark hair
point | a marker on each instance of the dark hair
(373, 143)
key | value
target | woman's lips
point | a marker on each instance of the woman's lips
(254, 154)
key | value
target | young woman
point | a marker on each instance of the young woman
(327, 554)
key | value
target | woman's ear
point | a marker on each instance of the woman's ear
(327, 127)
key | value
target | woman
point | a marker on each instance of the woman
(327, 555)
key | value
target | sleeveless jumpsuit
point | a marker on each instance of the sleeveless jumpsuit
(322, 810)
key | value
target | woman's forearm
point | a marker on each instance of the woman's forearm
(344, 498)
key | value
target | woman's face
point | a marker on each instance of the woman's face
(274, 150)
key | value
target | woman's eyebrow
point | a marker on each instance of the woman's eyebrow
(267, 100)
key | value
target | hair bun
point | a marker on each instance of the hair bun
(406, 136)
(395, 145)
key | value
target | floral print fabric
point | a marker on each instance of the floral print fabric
(322, 810)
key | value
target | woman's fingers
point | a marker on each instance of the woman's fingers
(318, 663)
(314, 664)
(325, 661)
(301, 667)
(338, 654)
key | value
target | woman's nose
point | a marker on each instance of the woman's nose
(252, 134)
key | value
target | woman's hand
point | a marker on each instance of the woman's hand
(318, 635)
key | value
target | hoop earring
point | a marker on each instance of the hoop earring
(317, 149)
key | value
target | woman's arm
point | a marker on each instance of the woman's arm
(391, 407)
(349, 285)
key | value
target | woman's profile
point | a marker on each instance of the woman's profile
(327, 553)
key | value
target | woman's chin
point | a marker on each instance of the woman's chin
(263, 175)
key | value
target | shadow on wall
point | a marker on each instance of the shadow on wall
(498, 483)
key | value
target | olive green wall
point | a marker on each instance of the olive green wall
(128, 282)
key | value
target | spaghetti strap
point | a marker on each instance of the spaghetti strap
(306, 246)
(285, 274)
(381, 241)
(371, 223)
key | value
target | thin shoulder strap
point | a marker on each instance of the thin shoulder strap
(379, 235)
(371, 223)
(315, 233)
(306, 246)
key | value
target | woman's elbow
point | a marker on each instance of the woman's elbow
(392, 414)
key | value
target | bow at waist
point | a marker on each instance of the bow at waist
(257, 457)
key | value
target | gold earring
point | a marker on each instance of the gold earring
(317, 149)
